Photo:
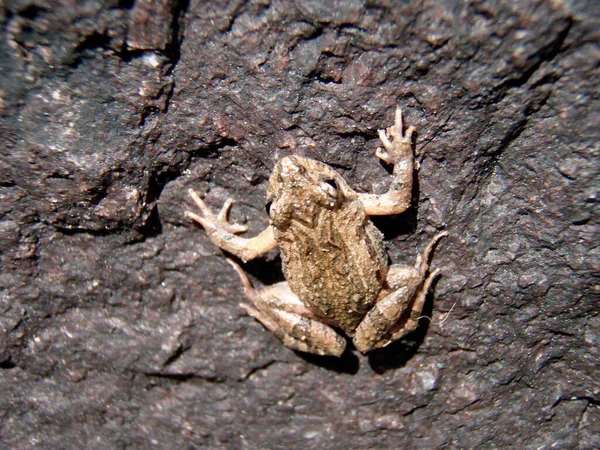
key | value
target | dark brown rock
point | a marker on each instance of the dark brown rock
(119, 320)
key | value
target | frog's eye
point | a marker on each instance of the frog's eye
(330, 187)
(268, 207)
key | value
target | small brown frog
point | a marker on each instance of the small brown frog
(333, 256)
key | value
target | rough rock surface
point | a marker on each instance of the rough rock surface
(119, 320)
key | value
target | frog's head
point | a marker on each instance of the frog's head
(301, 188)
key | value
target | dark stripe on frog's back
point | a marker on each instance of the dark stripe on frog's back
(336, 267)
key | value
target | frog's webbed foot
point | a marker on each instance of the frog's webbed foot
(398, 313)
(281, 312)
(223, 233)
(399, 148)
(211, 221)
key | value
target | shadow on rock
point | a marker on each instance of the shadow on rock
(347, 363)
(398, 353)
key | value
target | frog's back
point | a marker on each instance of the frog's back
(336, 264)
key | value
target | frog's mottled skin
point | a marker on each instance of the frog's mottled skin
(333, 257)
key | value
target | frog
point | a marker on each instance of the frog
(337, 277)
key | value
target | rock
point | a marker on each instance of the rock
(119, 320)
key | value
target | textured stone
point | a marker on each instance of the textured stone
(119, 320)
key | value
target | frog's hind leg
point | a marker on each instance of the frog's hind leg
(398, 313)
(402, 327)
(281, 312)
(422, 266)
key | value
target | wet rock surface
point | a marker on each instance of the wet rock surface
(119, 320)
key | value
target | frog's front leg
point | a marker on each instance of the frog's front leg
(222, 233)
(397, 151)
(282, 313)
(397, 313)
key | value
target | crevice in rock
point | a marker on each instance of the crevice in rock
(258, 369)
(513, 133)
(92, 42)
(182, 377)
(173, 48)
(179, 351)
(88, 48)
(126, 4)
(33, 11)
(74, 230)
(544, 54)
(8, 364)
(152, 226)
(591, 400)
